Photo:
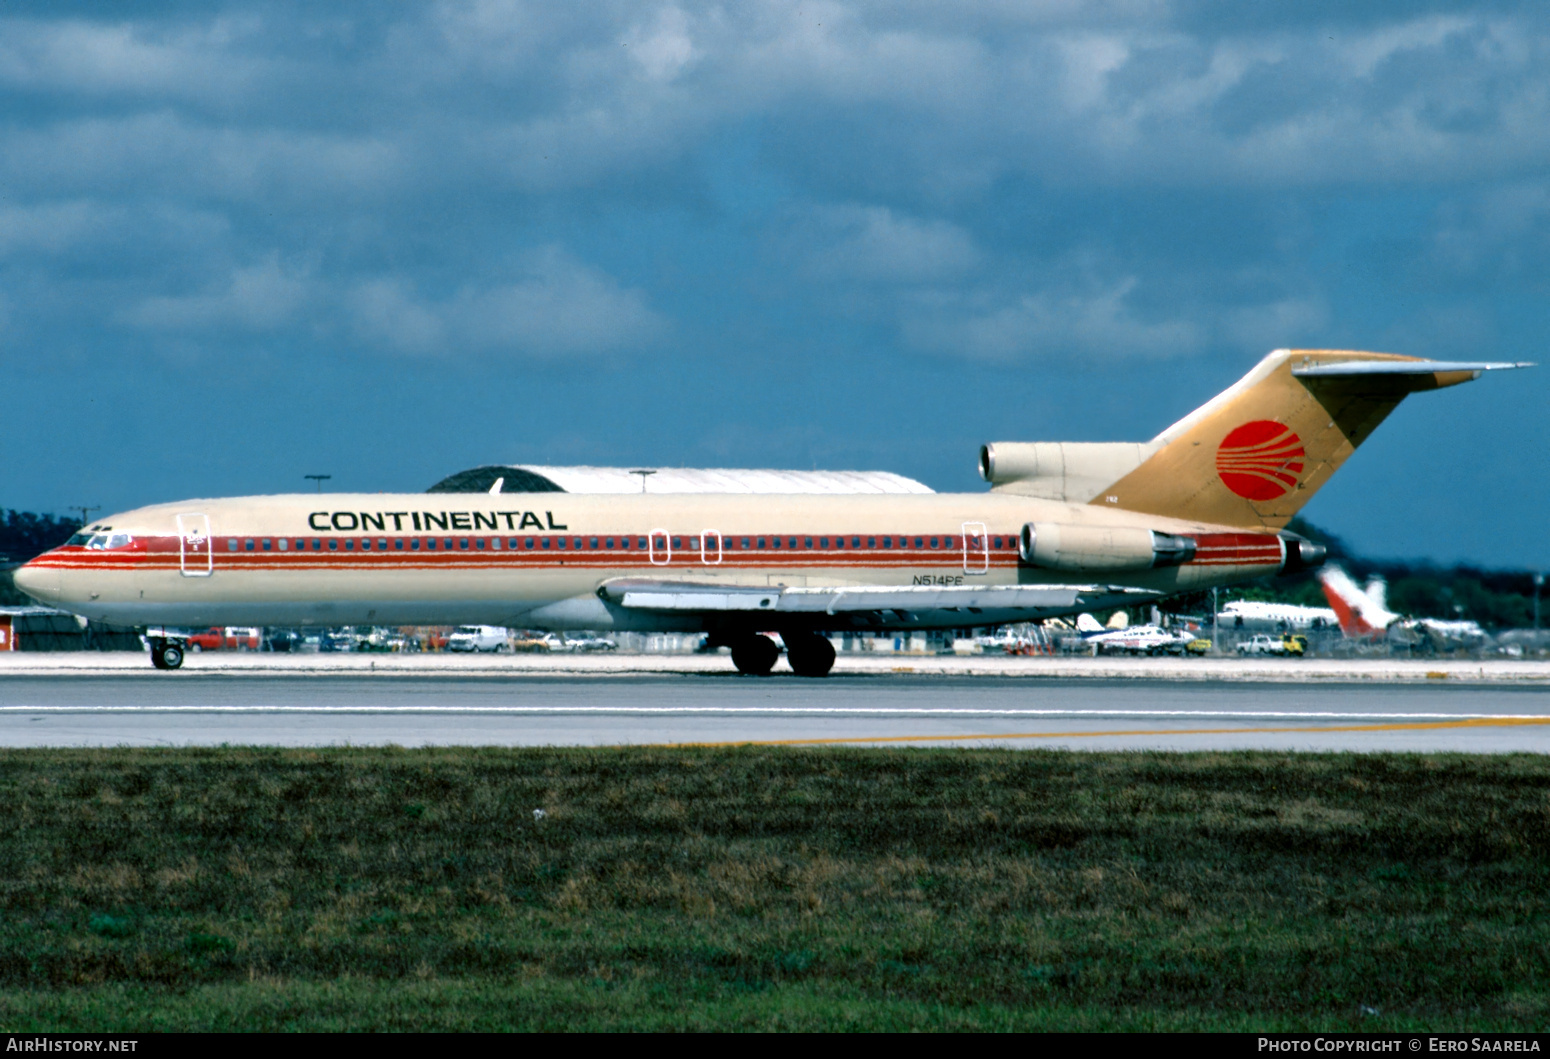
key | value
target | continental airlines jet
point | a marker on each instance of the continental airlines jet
(1064, 528)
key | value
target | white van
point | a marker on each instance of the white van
(478, 638)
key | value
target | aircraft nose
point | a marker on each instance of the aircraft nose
(39, 582)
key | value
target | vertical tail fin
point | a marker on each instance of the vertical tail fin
(1257, 452)
(1362, 614)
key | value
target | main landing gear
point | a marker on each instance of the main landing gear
(755, 655)
(810, 655)
(166, 654)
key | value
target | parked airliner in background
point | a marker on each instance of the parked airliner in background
(1280, 615)
(1065, 527)
(1365, 615)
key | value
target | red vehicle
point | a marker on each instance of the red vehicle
(230, 638)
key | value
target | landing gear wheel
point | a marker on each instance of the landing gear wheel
(166, 655)
(755, 656)
(810, 656)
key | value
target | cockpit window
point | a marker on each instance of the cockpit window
(98, 540)
(119, 540)
(78, 540)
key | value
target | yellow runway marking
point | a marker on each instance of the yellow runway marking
(1489, 722)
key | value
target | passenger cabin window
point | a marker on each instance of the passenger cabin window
(414, 544)
(231, 544)
(479, 543)
(398, 544)
(545, 540)
(839, 542)
(430, 544)
(266, 544)
(381, 544)
(285, 544)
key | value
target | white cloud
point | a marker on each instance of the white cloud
(77, 56)
(261, 297)
(386, 313)
(876, 243)
(663, 49)
(559, 306)
(1047, 324)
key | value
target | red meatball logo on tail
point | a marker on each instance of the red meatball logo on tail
(1260, 460)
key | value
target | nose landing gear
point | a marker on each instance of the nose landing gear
(166, 654)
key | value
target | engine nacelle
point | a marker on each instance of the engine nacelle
(1302, 554)
(1062, 546)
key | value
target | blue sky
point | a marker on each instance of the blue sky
(240, 243)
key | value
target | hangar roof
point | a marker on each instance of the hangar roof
(532, 478)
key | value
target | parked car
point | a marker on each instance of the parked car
(1263, 644)
(487, 638)
(228, 638)
(591, 643)
(534, 641)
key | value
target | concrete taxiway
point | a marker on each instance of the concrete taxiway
(312, 702)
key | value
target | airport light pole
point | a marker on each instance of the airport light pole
(643, 475)
(1539, 580)
(85, 513)
(318, 478)
(1214, 611)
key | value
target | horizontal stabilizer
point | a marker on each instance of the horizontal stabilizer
(1403, 367)
(688, 596)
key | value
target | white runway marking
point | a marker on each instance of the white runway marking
(798, 711)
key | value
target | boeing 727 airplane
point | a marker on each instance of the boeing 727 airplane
(1064, 528)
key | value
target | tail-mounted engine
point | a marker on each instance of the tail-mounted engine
(1062, 546)
(1301, 554)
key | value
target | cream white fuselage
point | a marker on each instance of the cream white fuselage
(539, 560)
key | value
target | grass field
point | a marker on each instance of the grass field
(771, 888)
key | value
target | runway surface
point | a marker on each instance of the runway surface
(108, 709)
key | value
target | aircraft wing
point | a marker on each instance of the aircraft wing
(835, 599)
